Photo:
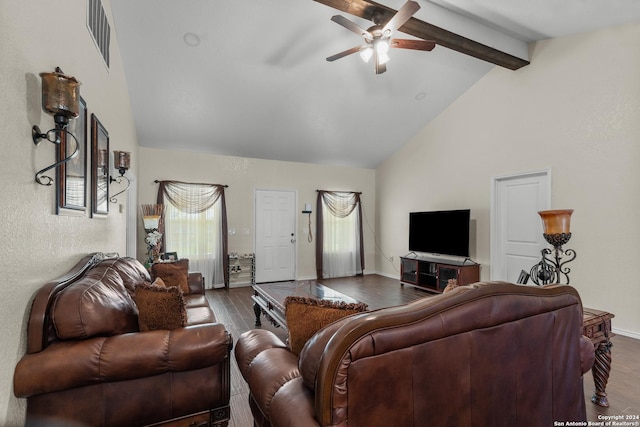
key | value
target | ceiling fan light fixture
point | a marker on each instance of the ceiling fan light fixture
(382, 46)
(383, 58)
(366, 54)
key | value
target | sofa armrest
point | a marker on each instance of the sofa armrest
(196, 282)
(587, 354)
(69, 364)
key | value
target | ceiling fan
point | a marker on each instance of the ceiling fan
(377, 39)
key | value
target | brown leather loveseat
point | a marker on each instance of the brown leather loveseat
(488, 354)
(88, 364)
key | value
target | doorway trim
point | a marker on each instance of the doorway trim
(295, 207)
(494, 220)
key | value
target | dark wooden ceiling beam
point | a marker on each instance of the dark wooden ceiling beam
(372, 11)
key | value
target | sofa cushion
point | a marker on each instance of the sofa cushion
(130, 270)
(160, 306)
(306, 316)
(96, 305)
(173, 273)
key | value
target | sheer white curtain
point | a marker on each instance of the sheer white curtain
(196, 236)
(339, 234)
(193, 227)
(341, 249)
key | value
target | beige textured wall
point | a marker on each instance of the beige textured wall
(244, 176)
(37, 245)
(575, 110)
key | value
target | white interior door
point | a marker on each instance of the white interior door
(275, 235)
(516, 231)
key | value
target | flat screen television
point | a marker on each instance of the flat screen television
(440, 232)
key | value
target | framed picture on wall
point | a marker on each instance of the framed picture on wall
(170, 256)
(99, 169)
(71, 193)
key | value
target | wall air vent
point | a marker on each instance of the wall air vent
(99, 28)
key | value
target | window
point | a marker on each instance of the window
(194, 220)
(340, 242)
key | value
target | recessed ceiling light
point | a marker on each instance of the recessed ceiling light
(191, 39)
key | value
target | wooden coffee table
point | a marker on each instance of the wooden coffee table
(268, 298)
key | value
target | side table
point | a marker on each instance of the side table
(596, 325)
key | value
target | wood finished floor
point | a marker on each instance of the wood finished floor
(234, 308)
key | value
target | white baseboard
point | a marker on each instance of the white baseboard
(389, 275)
(239, 285)
(630, 334)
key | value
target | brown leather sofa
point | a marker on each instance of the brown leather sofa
(488, 354)
(87, 363)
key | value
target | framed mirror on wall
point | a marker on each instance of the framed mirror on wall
(71, 193)
(99, 169)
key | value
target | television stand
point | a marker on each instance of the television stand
(432, 274)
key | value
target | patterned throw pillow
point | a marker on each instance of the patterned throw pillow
(173, 273)
(306, 316)
(160, 306)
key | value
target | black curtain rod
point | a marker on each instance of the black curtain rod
(181, 182)
(341, 191)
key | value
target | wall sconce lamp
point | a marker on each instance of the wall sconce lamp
(557, 231)
(122, 161)
(60, 97)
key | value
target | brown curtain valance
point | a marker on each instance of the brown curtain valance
(189, 197)
(340, 203)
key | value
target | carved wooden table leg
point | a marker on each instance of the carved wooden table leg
(257, 310)
(596, 326)
(601, 369)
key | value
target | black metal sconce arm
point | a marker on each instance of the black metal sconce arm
(37, 136)
(113, 198)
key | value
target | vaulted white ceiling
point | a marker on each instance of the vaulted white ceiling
(249, 78)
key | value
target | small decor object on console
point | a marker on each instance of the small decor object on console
(557, 231)
(451, 284)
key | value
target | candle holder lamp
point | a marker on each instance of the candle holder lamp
(557, 232)
(122, 161)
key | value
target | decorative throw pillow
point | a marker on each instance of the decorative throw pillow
(160, 307)
(306, 316)
(173, 273)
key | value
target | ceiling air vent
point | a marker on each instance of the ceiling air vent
(99, 28)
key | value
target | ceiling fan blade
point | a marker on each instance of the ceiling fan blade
(351, 26)
(412, 44)
(344, 53)
(402, 16)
